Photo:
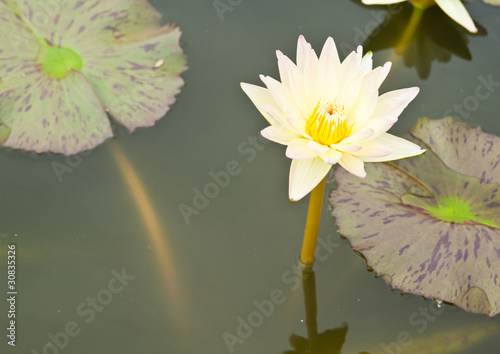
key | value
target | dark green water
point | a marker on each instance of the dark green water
(238, 254)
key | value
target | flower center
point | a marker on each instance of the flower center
(327, 124)
(57, 62)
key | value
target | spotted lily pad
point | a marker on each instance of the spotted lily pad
(431, 225)
(65, 65)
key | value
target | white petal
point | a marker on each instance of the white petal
(331, 156)
(349, 67)
(279, 135)
(260, 97)
(307, 64)
(282, 95)
(299, 125)
(329, 53)
(282, 68)
(397, 144)
(295, 82)
(317, 147)
(381, 74)
(350, 92)
(305, 175)
(392, 103)
(353, 165)
(277, 115)
(457, 11)
(297, 149)
(346, 147)
(303, 50)
(295, 124)
(366, 64)
(363, 135)
(363, 108)
(379, 125)
(402, 149)
(367, 98)
(373, 148)
(380, 2)
(328, 66)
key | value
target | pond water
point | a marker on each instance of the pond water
(107, 263)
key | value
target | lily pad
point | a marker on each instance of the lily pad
(431, 225)
(65, 65)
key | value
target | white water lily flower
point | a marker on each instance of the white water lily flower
(329, 112)
(453, 8)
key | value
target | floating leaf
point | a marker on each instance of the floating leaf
(4, 132)
(63, 69)
(431, 225)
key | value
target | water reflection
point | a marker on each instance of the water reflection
(420, 37)
(436, 341)
(331, 340)
(157, 236)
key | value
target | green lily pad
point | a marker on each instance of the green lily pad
(65, 65)
(4, 132)
(431, 225)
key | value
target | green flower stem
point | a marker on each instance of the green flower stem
(416, 17)
(423, 4)
(312, 224)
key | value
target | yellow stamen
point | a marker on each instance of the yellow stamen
(327, 124)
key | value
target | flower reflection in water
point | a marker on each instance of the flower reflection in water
(331, 340)
(421, 37)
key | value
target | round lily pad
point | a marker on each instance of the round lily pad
(430, 225)
(63, 71)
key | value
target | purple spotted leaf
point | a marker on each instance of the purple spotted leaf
(63, 115)
(4, 132)
(63, 65)
(18, 46)
(145, 77)
(431, 225)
